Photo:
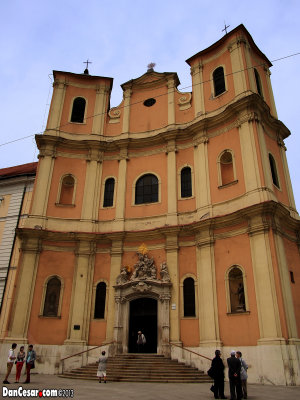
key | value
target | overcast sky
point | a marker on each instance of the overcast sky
(121, 37)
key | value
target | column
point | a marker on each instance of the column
(207, 291)
(99, 111)
(43, 181)
(202, 182)
(285, 283)
(266, 298)
(20, 315)
(272, 105)
(92, 186)
(115, 268)
(249, 66)
(287, 177)
(56, 105)
(121, 190)
(171, 102)
(172, 262)
(198, 89)
(172, 183)
(79, 315)
(249, 153)
(126, 111)
(238, 67)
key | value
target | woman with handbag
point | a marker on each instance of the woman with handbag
(30, 358)
(19, 363)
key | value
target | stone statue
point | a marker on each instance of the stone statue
(241, 295)
(145, 268)
(164, 273)
(122, 277)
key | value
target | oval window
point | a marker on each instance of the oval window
(149, 102)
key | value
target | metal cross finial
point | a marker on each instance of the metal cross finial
(87, 62)
(225, 28)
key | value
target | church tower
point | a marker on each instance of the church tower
(172, 213)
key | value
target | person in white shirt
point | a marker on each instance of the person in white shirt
(10, 362)
(244, 374)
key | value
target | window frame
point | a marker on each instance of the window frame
(44, 291)
(188, 275)
(94, 300)
(180, 182)
(270, 156)
(134, 189)
(214, 95)
(104, 192)
(219, 166)
(85, 110)
(227, 290)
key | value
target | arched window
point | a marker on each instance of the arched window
(52, 297)
(186, 182)
(273, 170)
(146, 189)
(109, 188)
(258, 82)
(100, 300)
(236, 290)
(219, 81)
(189, 309)
(67, 190)
(226, 166)
(78, 110)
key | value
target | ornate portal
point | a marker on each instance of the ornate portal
(143, 280)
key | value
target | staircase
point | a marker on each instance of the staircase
(141, 368)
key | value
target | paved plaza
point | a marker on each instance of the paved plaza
(84, 389)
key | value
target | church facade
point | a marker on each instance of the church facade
(172, 214)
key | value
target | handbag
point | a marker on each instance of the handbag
(212, 388)
(32, 365)
(210, 372)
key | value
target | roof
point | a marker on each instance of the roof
(220, 42)
(18, 170)
(84, 76)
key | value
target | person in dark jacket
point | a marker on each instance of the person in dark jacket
(218, 367)
(234, 372)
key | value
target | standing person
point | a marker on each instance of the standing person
(10, 362)
(30, 358)
(20, 361)
(141, 341)
(244, 374)
(234, 371)
(217, 368)
(102, 367)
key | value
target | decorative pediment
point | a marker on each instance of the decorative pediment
(151, 79)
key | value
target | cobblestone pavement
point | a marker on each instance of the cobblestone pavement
(143, 391)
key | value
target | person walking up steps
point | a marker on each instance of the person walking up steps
(102, 367)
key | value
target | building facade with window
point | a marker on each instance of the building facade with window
(172, 213)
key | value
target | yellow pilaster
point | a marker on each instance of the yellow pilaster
(207, 292)
(126, 110)
(202, 188)
(172, 184)
(198, 92)
(172, 261)
(285, 284)
(43, 181)
(57, 105)
(273, 106)
(121, 189)
(265, 162)
(250, 69)
(31, 249)
(99, 111)
(79, 315)
(249, 153)
(238, 67)
(115, 268)
(171, 102)
(266, 299)
(91, 197)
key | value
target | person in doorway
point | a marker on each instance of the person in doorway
(30, 359)
(234, 371)
(101, 372)
(20, 361)
(141, 341)
(217, 369)
(244, 374)
(10, 362)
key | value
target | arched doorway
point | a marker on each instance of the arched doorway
(143, 317)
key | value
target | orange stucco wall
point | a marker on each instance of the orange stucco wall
(43, 330)
(228, 252)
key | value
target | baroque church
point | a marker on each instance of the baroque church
(172, 214)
